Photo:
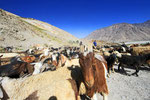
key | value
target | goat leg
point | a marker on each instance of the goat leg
(113, 69)
(95, 97)
(22, 74)
(119, 67)
(136, 72)
(105, 96)
(109, 71)
(1, 92)
(125, 71)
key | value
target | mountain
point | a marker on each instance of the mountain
(26, 32)
(123, 32)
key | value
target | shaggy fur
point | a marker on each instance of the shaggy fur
(94, 74)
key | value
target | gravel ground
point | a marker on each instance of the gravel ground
(122, 87)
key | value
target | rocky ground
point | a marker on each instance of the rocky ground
(122, 87)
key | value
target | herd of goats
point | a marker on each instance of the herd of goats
(39, 60)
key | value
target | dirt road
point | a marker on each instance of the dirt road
(122, 87)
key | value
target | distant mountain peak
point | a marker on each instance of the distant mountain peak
(147, 22)
(122, 32)
(122, 24)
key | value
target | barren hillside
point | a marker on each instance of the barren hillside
(26, 32)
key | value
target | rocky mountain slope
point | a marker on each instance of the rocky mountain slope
(26, 32)
(123, 32)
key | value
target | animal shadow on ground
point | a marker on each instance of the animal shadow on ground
(121, 71)
(146, 68)
(129, 68)
(32, 96)
(5, 95)
(76, 74)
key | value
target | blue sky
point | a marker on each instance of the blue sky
(80, 17)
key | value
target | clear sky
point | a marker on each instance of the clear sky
(80, 17)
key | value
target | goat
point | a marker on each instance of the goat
(16, 69)
(28, 59)
(94, 69)
(8, 49)
(42, 86)
(135, 61)
(110, 62)
(38, 66)
(30, 51)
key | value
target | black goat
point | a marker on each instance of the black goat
(135, 61)
(8, 49)
(110, 62)
(16, 69)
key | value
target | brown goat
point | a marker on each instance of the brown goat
(94, 73)
(28, 59)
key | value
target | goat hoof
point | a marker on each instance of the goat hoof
(137, 75)
(108, 75)
(113, 72)
(128, 75)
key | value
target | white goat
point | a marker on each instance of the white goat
(46, 52)
(38, 66)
